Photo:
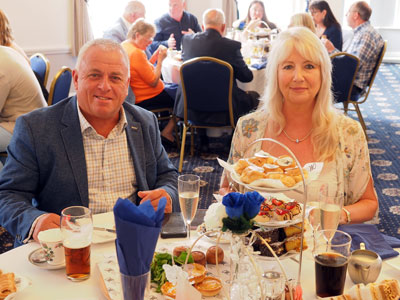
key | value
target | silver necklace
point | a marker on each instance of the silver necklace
(297, 140)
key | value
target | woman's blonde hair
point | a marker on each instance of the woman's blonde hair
(140, 26)
(6, 37)
(302, 19)
(324, 117)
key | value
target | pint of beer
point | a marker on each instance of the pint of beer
(76, 228)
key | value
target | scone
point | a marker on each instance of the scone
(285, 161)
(258, 161)
(252, 173)
(272, 168)
(240, 165)
(288, 181)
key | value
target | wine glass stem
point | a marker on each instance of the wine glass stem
(188, 229)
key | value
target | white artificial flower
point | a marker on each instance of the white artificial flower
(214, 215)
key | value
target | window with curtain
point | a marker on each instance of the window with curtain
(278, 12)
(104, 13)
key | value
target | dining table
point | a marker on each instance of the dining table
(171, 74)
(40, 282)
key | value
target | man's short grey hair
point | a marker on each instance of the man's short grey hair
(134, 7)
(363, 9)
(213, 17)
(105, 45)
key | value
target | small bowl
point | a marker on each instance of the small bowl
(209, 287)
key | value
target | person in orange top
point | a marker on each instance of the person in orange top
(145, 78)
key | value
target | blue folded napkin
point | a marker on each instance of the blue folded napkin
(138, 229)
(372, 238)
(259, 66)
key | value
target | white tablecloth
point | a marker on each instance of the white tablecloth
(170, 72)
(54, 285)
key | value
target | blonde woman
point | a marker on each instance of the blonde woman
(302, 19)
(298, 112)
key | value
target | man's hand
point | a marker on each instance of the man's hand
(171, 42)
(46, 221)
(328, 45)
(189, 31)
(154, 196)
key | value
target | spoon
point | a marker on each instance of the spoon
(39, 257)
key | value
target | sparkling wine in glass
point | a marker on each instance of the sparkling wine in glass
(188, 189)
(331, 203)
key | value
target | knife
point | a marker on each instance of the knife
(104, 229)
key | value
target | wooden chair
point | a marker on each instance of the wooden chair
(60, 86)
(41, 65)
(207, 88)
(364, 95)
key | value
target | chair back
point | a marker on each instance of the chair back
(374, 72)
(207, 86)
(41, 65)
(344, 70)
(60, 86)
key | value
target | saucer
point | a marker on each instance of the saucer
(43, 265)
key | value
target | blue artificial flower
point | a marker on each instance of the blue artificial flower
(234, 203)
(252, 204)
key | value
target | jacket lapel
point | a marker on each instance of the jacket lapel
(73, 144)
(134, 136)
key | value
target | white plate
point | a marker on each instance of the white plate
(284, 256)
(104, 220)
(43, 265)
(21, 283)
(278, 224)
(211, 236)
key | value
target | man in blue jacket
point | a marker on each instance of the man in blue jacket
(87, 150)
(172, 26)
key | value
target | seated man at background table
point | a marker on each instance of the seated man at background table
(173, 25)
(133, 10)
(212, 43)
(87, 150)
(366, 44)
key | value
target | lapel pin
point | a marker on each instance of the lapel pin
(134, 128)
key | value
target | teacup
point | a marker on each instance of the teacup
(364, 265)
(52, 245)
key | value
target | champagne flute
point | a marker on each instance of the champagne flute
(188, 190)
(331, 203)
(314, 215)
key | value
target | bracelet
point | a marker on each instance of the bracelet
(347, 215)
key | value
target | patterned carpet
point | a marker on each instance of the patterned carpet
(382, 115)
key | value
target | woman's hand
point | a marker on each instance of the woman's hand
(162, 53)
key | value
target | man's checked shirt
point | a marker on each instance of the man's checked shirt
(366, 45)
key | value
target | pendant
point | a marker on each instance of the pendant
(297, 141)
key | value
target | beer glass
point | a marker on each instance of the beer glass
(331, 257)
(188, 190)
(76, 230)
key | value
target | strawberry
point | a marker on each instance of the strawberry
(276, 202)
(281, 212)
(291, 205)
